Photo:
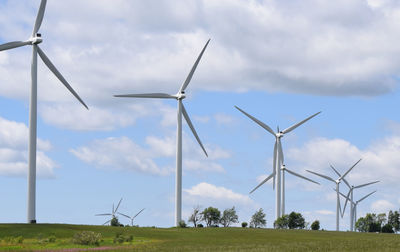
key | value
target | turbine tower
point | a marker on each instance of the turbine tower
(337, 182)
(181, 110)
(277, 157)
(350, 196)
(354, 206)
(34, 41)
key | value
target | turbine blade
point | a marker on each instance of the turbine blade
(189, 122)
(149, 95)
(300, 176)
(119, 203)
(344, 175)
(137, 214)
(13, 44)
(124, 215)
(363, 198)
(106, 214)
(345, 181)
(189, 77)
(39, 17)
(106, 222)
(347, 199)
(52, 68)
(333, 168)
(257, 121)
(265, 180)
(323, 176)
(298, 124)
(359, 186)
(282, 161)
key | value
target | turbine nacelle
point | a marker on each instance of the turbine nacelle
(36, 40)
(180, 95)
(279, 134)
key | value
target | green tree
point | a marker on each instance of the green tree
(115, 222)
(211, 216)
(258, 219)
(229, 216)
(394, 220)
(282, 222)
(370, 223)
(296, 221)
(315, 225)
(387, 228)
(244, 224)
(196, 216)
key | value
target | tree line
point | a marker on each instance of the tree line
(380, 223)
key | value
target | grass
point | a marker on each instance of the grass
(197, 239)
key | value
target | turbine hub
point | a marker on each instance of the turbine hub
(279, 134)
(37, 39)
(180, 95)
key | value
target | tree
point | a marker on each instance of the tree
(229, 216)
(182, 224)
(244, 224)
(315, 225)
(296, 221)
(370, 223)
(394, 220)
(115, 223)
(196, 216)
(211, 216)
(387, 228)
(258, 219)
(282, 222)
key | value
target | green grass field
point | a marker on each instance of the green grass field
(195, 239)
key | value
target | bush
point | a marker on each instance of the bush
(200, 225)
(244, 224)
(315, 225)
(87, 238)
(13, 240)
(120, 238)
(182, 224)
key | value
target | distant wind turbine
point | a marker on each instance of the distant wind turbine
(112, 214)
(34, 41)
(181, 110)
(337, 182)
(355, 204)
(277, 157)
(131, 217)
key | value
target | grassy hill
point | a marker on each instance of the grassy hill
(36, 237)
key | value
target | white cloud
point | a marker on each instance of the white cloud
(325, 212)
(121, 153)
(224, 119)
(208, 194)
(14, 153)
(382, 206)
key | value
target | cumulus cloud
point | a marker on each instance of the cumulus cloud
(382, 206)
(121, 153)
(103, 48)
(14, 151)
(205, 193)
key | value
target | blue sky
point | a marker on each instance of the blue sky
(280, 61)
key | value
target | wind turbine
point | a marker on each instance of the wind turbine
(112, 214)
(131, 218)
(354, 204)
(277, 158)
(181, 110)
(34, 41)
(337, 182)
(350, 196)
(284, 169)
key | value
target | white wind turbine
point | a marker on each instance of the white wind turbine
(350, 196)
(131, 217)
(354, 206)
(277, 158)
(34, 41)
(181, 110)
(112, 214)
(284, 169)
(337, 182)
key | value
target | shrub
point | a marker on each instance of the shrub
(13, 240)
(244, 224)
(120, 238)
(315, 225)
(182, 224)
(87, 238)
(200, 225)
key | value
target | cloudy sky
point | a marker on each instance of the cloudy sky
(280, 61)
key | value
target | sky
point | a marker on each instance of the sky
(280, 61)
